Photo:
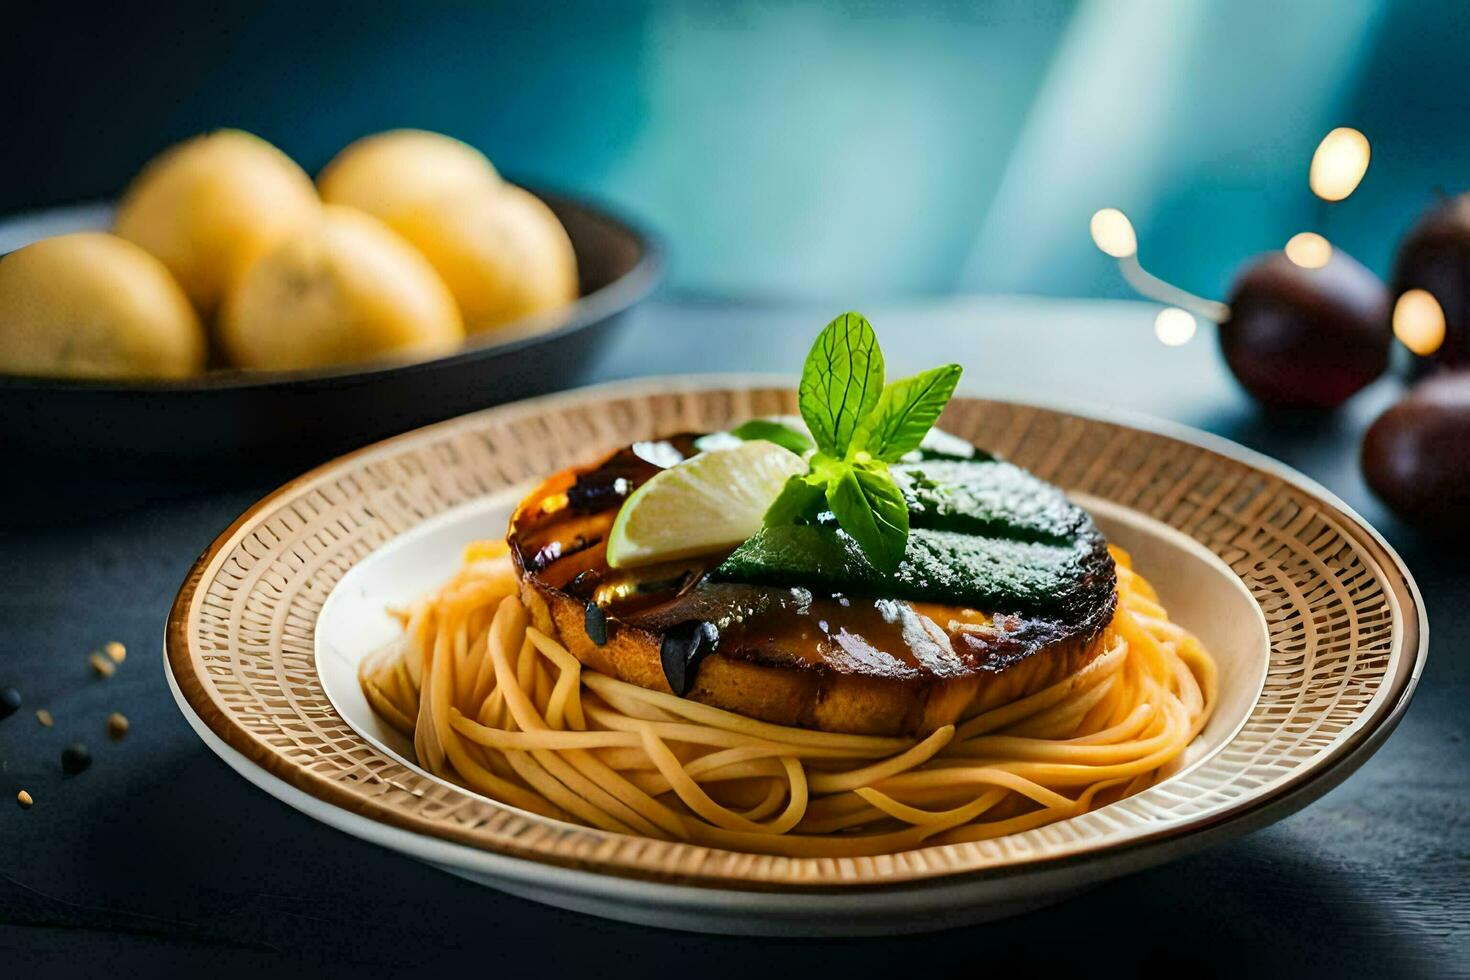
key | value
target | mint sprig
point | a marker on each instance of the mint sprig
(860, 426)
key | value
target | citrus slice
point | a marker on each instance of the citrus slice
(707, 503)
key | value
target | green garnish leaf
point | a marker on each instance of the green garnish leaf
(840, 382)
(800, 498)
(905, 413)
(871, 509)
(782, 435)
(859, 427)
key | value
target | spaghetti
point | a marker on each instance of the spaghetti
(495, 703)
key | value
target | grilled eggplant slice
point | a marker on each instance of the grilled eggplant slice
(1005, 588)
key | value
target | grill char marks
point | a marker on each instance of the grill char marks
(869, 657)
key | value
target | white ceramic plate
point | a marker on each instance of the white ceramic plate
(1318, 630)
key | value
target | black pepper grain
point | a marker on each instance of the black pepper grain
(75, 758)
(9, 702)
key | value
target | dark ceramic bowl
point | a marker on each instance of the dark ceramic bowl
(251, 422)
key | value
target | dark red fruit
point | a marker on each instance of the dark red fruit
(1416, 457)
(1435, 256)
(1306, 338)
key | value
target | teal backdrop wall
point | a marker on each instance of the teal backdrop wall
(845, 151)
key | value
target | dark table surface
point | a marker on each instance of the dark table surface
(161, 860)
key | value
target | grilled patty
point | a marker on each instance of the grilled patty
(1005, 587)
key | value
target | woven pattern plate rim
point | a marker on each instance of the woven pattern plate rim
(1348, 636)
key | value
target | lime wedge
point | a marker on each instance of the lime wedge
(705, 504)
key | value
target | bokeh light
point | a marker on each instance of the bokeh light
(1339, 164)
(1174, 326)
(1113, 233)
(1309, 250)
(1418, 322)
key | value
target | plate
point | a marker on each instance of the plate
(1317, 625)
(258, 420)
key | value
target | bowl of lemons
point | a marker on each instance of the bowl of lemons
(229, 311)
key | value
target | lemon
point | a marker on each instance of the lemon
(707, 503)
(503, 254)
(92, 305)
(389, 173)
(343, 290)
(210, 206)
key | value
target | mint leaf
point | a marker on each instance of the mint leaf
(782, 435)
(859, 427)
(840, 382)
(870, 508)
(799, 498)
(905, 413)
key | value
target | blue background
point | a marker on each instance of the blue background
(840, 152)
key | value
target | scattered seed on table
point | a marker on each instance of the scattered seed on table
(117, 726)
(75, 758)
(44, 717)
(9, 702)
(24, 799)
(116, 651)
(101, 664)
